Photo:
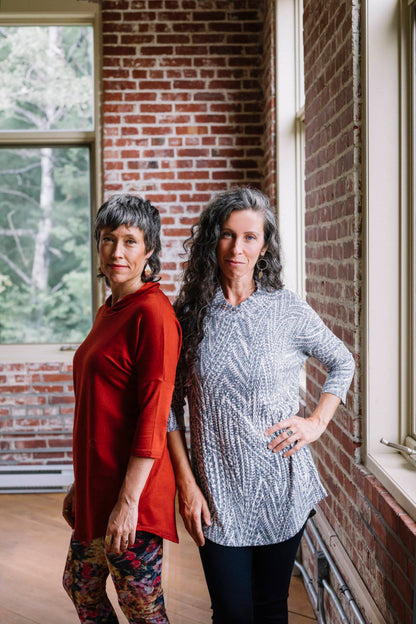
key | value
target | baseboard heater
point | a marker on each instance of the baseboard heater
(28, 479)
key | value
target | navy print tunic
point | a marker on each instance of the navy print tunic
(247, 379)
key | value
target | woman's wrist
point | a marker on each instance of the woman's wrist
(325, 410)
(128, 501)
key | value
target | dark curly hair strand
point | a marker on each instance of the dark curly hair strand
(201, 277)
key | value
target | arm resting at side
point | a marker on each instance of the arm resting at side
(122, 523)
(193, 506)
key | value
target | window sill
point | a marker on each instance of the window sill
(19, 354)
(398, 477)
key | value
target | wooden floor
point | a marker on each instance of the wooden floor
(33, 543)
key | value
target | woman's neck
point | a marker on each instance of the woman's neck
(237, 291)
(120, 291)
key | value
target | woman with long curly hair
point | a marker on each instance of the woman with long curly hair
(253, 483)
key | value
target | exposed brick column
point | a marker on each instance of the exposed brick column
(183, 106)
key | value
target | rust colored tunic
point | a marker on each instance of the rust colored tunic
(124, 375)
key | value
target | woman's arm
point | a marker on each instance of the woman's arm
(302, 431)
(193, 506)
(122, 523)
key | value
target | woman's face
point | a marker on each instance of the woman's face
(241, 243)
(123, 257)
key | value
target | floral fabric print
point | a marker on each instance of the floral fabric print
(136, 575)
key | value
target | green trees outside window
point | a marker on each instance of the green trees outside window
(46, 89)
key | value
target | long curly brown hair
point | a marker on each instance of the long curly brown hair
(201, 276)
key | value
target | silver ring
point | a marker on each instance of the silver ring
(290, 433)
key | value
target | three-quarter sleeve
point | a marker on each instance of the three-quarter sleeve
(157, 355)
(177, 410)
(318, 341)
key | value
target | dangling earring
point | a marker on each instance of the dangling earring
(261, 267)
(147, 270)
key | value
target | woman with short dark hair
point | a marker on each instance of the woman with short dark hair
(121, 504)
(253, 483)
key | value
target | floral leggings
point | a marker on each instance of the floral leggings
(136, 575)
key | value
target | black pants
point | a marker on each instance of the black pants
(249, 584)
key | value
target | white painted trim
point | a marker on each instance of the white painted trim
(52, 8)
(289, 147)
(386, 210)
(33, 353)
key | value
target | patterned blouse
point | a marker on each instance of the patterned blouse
(245, 380)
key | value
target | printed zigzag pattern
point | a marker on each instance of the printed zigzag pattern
(247, 379)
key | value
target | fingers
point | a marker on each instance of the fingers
(116, 544)
(193, 522)
(284, 439)
(69, 516)
(206, 516)
(291, 436)
(194, 527)
(68, 511)
(294, 449)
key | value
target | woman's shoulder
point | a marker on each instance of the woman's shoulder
(283, 296)
(154, 307)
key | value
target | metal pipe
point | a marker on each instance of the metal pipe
(321, 605)
(336, 602)
(308, 583)
(343, 587)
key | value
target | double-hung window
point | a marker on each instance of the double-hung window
(390, 246)
(49, 170)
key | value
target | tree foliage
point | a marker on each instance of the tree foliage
(45, 275)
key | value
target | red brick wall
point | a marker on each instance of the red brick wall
(36, 411)
(183, 106)
(376, 533)
(183, 117)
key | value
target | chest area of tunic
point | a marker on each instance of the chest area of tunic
(248, 349)
(109, 351)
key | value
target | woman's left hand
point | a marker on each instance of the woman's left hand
(122, 523)
(302, 431)
(294, 430)
(121, 527)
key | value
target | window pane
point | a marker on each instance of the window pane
(46, 78)
(45, 251)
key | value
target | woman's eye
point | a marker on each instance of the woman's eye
(131, 241)
(226, 235)
(251, 237)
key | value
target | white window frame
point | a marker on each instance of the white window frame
(290, 147)
(387, 200)
(51, 12)
(412, 215)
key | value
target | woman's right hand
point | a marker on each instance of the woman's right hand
(68, 507)
(194, 510)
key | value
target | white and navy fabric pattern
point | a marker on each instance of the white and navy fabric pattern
(247, 379)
